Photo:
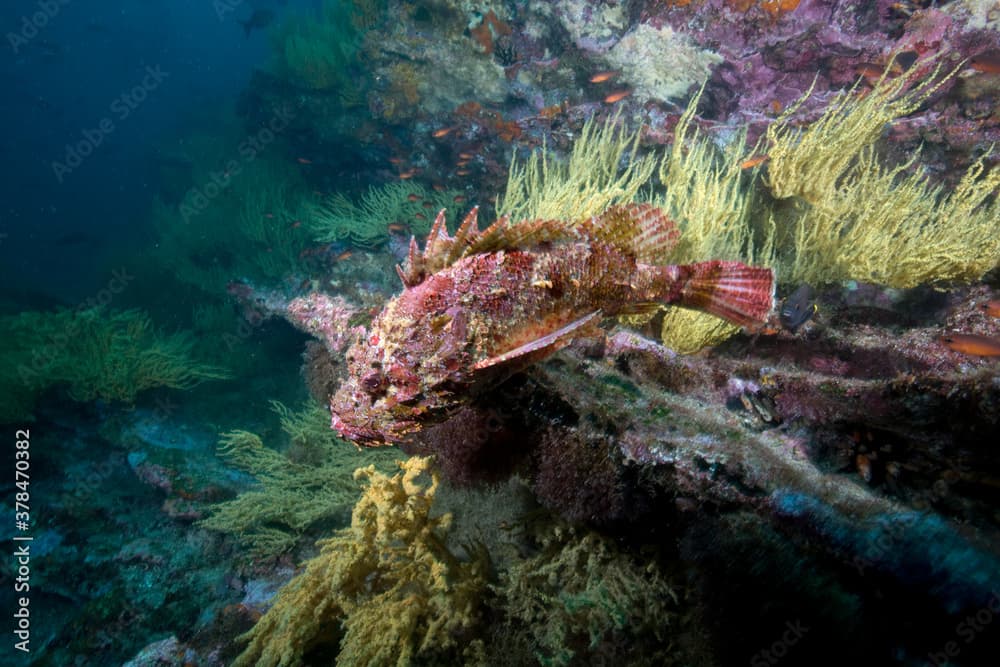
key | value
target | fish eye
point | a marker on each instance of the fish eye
(372, 382)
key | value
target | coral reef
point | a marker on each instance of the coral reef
(834, 479)
(389, 581)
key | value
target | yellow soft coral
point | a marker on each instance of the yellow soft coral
(810, 162)
(308, 485)
(886, 226)
(705, 194)
(590, 181)
(388, 583)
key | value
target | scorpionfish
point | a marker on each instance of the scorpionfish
(481, 305)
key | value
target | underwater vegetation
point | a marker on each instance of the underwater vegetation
(93, 354)
(860, 219)
(388, 583)
(318, 51)
(580, 589)
(408, 207)
(593, 413)
(248, 224)
(305, 487)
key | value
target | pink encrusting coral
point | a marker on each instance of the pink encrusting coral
(326, 317)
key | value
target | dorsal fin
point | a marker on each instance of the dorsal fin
(640, 230)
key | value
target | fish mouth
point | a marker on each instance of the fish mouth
(361, 435)
(366, 436)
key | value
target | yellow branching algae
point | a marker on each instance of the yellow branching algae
(705, 194)
(688, 331)
(591, 180)
(582, 588)
(810, 162)
(854, 218)
(387, 587)
(310, 485)
(890, 227)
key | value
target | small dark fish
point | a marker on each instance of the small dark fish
(71, 239)
(261, 18)
(798, 308)
(906, 59)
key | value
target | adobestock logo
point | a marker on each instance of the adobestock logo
(32, 26)
(120, 109)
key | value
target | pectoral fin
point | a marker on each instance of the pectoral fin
(541, 347)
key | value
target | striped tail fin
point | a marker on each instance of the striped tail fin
(742, 294)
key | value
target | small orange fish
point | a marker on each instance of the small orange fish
(617, 96)
(974, 344)
(428, 204)
(991, 308)
(408, 174)
(395, 160)
(413, 196)
(754, 161)
(296, 224)
(871, 72)
(419, 216)
(397, 228)
(461, 163)
(465, 156)
(988, 61)
(302, 160)
(438, 187)
(344, 255)
(601, 77)
(462, 172)
(443, 132)
(459, 199)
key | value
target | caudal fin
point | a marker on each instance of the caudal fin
(742, 294)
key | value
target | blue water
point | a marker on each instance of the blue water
(79, 70)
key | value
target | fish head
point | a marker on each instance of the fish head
(399, 378)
